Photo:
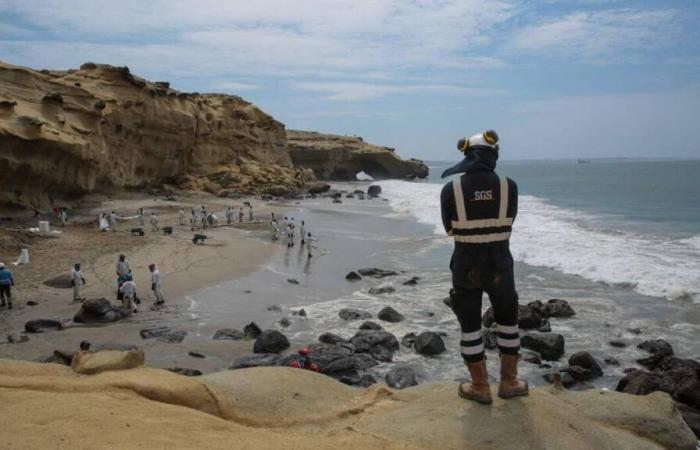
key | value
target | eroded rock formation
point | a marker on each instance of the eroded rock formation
(288, 408)
(333, 157)
(100, 128)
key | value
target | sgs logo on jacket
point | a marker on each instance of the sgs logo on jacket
(483, 195)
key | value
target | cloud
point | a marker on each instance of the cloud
(282, 34)
(351, 91)
(598, 34)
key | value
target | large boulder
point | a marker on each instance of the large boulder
(98, 310)
(550, 346)
(353, 314)
(389, 314)
(401, 377)
(366, 340)
(271, 341)
(429, 343)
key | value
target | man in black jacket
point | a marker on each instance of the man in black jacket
(478, 210)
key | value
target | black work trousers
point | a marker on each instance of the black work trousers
(469, 284)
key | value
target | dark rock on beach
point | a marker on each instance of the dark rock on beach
(173, 337)
(256, 360)
(59, 282)
(14, 339)
(429, 344)
(617, 343)
(330, 338)
(389, 314)
(376, 273)
(274, 308)
(586, 361)
(382, 290)
(38, 325)
(285, 322)
(353, 276)
(252, 331)
(529, 318)
(401, 377)
(369, 325)
(196, 355)
(366, 340)
(659, 350)
(353, 314)
(691, 416)
(154, 332)
(230, 334)
(271, 341)
(412, 282)
(550, 346)
(98, 310)
(292, 281)
(489, 338)
(374, 191)
(32, 303)
(409, 339)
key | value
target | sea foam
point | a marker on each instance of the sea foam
(575, 243)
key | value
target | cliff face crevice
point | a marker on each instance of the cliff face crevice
(102, 129)
(333, 157)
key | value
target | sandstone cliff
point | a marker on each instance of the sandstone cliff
(333, 157)
(100, 128)
(46, 405)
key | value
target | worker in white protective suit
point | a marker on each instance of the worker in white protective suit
(128, 291)
(154, 222)
(77, 280)
(156, 285)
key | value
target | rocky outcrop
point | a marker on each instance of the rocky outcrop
(333, 157)
(289, 408)
(100, 128)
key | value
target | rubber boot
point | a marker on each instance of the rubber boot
(478, 390)
(510, 385)
(9, 304)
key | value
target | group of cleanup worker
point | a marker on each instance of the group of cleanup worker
(126, 287)
(205, 218)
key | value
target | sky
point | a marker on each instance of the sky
(555, 78)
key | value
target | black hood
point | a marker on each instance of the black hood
(477, 159)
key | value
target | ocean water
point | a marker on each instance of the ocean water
(630, 223)
(620, 240)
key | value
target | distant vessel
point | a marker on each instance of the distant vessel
(584, 161)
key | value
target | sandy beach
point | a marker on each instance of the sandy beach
(230, 252)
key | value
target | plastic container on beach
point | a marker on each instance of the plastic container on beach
(44, 226)
(23, 257)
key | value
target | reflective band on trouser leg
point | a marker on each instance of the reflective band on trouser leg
(508, 339)
(503, 205)
(472, 346)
